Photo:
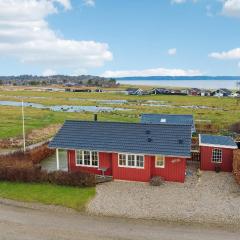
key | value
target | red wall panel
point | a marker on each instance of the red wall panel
(206, 159)
(105, 160)
(132, 174)
(174, 169)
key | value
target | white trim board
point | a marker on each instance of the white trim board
(145, 154)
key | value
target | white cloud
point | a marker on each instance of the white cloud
(90, 3)
(49, 72)
(172, 51)
(65, 3)
(182, 1)
(231, 8)
(26, 36)
(152, 72)
(231, 54)
(178, 1)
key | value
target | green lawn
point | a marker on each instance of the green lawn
(71, 197)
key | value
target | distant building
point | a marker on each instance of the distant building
(205, 93)
(194, 92)
(222, 92)
(134, 91)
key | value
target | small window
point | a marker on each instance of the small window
(160, 161)
(122, 160)
(87, 158)
(217, 155)
(140, 161)
(94, 159)
(131, 160)
(79, 157)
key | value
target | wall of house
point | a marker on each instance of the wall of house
(174, 169)
(206, 159)
(132, 174)
(105, 160)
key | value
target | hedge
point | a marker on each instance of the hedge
(25, 159)
(36, 175)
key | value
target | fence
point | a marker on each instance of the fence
(236, 165)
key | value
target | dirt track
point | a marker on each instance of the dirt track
(23, 223)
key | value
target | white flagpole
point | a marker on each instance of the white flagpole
(23, 128)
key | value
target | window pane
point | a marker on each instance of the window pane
(87, 158)
(122, 160)
(160, 161)
(217, 155)
(140, 161)
(79, 157)
(131, 160)
(94, 159)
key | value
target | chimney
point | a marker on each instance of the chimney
(95, 117)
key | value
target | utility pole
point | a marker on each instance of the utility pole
(23, 128)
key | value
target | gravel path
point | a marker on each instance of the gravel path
(215, 198)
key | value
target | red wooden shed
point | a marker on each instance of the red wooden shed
(216, 152)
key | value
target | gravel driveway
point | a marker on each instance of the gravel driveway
(215, 198)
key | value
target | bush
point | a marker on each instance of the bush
(79, 179)
(218, 169)
(35, 175)
(20, 159)
(156, 181)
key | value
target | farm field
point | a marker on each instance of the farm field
(221, 112)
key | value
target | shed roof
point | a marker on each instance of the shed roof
(216, 141)
(169, 140)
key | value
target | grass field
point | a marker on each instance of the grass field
(221, 111)
(71, 197)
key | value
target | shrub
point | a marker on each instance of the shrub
(218, 169)
(79, 179)
(19, 159)
(36, 175)
(156, 181)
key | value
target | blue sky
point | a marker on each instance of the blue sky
(120, 37)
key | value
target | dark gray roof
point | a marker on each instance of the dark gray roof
(206, 139)
(171, 140)
(175, 119)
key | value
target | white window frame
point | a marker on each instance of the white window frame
(157, 166)
(135, 161)
(91, 159)
(212, 159)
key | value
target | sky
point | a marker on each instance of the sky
(117, 38)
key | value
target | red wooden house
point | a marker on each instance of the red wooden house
(216, 152)
(126, 151)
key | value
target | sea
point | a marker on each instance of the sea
(206, 84)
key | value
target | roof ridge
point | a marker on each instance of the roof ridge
(129, 123)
